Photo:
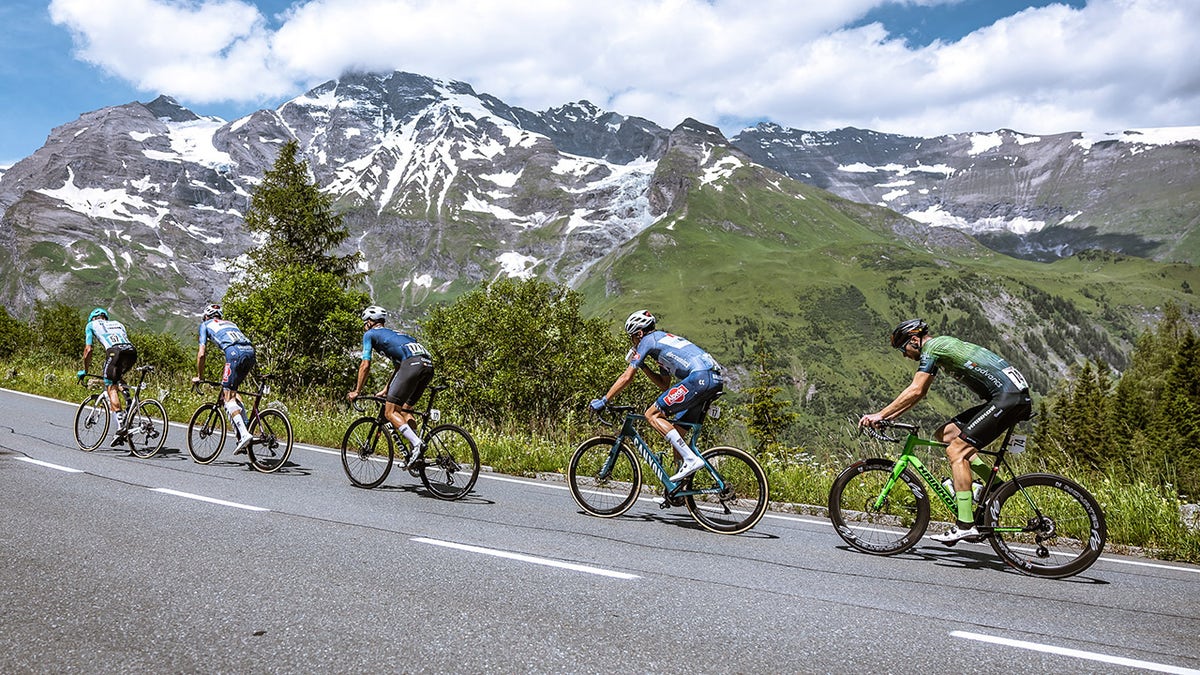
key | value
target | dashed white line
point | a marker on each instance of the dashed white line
(57, 467)
(1075, 653)
(588, 569)
(210, 500)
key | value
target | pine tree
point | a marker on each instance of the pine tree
(765, 414)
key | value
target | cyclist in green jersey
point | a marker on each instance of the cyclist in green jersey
(1006, 402)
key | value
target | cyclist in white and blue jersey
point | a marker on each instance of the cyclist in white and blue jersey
(413, 371)
(697, 372)
(239, 361)
(120, 356)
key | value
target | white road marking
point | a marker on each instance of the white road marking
(57, 467)
(210, 500)
(528, 558)
(1075, 653)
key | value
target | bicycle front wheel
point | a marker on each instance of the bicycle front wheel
(367, 452)
(603, 477)
(872, 520)
(272, 444)
(91, 422)
(147, 429)
(206, 433)
(735, 492)
(1046, 526)
(451, 462)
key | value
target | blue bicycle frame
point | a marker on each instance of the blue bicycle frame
(655, 460)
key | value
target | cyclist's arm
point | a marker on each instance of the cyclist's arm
(87, 356)
(661, 379)
(908, 398)
(363, 369)
(200, 362)
(622, 381)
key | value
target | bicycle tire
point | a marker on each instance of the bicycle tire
(612, 494)
(147, 429)
(893, 528)
(744, 499)
(91, 422)
(1070, 531)
(206, 433)
(366, 463)
(272, 440)
(444, 469)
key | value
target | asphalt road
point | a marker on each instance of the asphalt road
(109, 563)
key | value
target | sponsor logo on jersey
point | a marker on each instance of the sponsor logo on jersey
(676, 395)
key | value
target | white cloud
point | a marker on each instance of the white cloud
(1110, 65)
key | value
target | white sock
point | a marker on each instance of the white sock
(118, 417)
(235, 414)
(410, 435)
(680, 445)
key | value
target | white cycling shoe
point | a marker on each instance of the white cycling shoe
(243, 443)
(956, 534)
(690, 466)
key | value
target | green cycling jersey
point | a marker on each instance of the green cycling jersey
(981, 370)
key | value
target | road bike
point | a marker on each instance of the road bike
(729, 495)
(145, 425)
(270, 430)
(448, 465)
(1038, 523)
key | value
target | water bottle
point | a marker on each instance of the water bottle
(976, 488)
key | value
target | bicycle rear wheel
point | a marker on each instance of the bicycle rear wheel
(743, 492)
(272, 444)
(147, 428)
(367, 452)
(604, 481)
(91, 422)
(450, 462)
(1046, 525)
(895, 524)
(206, 433)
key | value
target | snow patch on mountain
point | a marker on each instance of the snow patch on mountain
(112, 204)
(935, 216)
(1158, 136)
(516, 266)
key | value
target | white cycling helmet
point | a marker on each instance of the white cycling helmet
(212, 312)
(374, 313)
(640, 320)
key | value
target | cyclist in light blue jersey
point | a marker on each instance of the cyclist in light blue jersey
(239, 361)
(120, 356)
(699, 381)
(413, 371)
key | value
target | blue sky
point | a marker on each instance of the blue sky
(921, 67)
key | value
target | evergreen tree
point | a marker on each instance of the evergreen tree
(1180, 418)
(765, 414)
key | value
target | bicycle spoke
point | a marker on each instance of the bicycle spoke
(735, 498)
(870, 524)
(1048, 527)
(451, 462)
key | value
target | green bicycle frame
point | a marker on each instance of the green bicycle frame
(909, 458)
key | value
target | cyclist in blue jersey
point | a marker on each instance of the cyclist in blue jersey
(119, 357)
(1006, 402)
(239, 361)
(413, 371)
(699, 381)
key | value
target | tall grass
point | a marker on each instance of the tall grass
(1141, 517)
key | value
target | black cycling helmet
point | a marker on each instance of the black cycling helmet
(908, 329)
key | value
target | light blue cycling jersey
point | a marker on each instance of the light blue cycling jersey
(224, 333)
(392, 343)
(108, 332)
(677, 355)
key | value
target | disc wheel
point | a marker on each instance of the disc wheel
(874, 522)
(1046, 526)
(737, 500)
(91, 422)
(272, 440)
(367, 452)
(450, 462)
(604, 481)
(147, 429)
(206, 433)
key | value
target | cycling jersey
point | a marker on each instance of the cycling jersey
(981, 370)
(391, 343)
(109, 333)
(224, 333)
(676, 355)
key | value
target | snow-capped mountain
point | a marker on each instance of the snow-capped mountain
(1041, 197)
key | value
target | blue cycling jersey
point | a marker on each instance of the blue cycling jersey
(224, 333)
(392, 343)
(109, 333)
(676, 355)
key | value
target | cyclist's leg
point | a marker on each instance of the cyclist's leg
(238, 363)
(407, 384)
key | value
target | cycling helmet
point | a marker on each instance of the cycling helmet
(99, 311)
(374, 313)
(641, 320)
(908, 329)
(212, 312)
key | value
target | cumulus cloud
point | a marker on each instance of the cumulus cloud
(1111, 65)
